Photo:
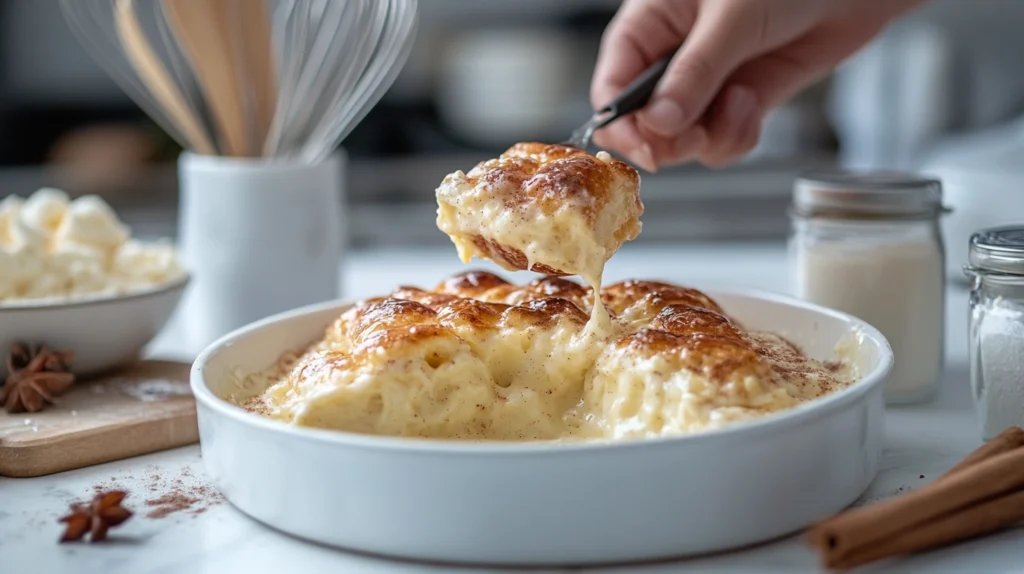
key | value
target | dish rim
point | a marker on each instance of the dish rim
(773, 422)
(51, 304)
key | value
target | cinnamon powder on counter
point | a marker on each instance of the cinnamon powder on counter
(169, 504)
(166, 496)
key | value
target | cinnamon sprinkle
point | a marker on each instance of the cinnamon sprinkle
(167, 495)
(169, 504)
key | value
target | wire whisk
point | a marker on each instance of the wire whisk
(285, 79)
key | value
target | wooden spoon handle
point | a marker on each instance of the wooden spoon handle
(200, 29)
(146, 63)
(258, 59)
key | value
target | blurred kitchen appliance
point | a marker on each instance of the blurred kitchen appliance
(948, 69)
(502, 86)
(983, 177)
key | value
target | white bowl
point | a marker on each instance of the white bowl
(103, 331)
(543, 503)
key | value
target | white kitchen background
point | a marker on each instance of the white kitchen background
(941, 91)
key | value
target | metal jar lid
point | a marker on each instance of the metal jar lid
(874, 195)
(998, 250)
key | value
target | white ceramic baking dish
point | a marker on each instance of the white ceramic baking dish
(539, 503)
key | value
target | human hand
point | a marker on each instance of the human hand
(740, 59)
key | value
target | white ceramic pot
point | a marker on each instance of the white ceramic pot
(259, 237)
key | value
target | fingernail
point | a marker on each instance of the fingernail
(686, 149)
(688, 146)
(663, 117)
(741, 107)
(648, 155)
(644, 157)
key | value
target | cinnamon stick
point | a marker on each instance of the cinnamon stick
(1007, 440)
(1010, 439)
(975, 521)
(842, 537)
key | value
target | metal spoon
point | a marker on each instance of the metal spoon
(633, 97)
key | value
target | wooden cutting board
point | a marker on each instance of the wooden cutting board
(140, 409)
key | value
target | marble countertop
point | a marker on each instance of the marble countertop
(211, 536)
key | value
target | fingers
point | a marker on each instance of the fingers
(761, 84)
(738, 61)
(681, 149)
(733, 121)
(778, 75)
(730, 129)
(677, 124)
(771, 79)
(666, 132)
(623, 137)
(641, 32)
(734, 126)
(725, 34)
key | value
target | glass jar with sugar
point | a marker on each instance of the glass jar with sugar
(869, 244)
(996, 327)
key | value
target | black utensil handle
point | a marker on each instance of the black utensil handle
(638, 92)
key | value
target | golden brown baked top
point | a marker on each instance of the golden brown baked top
(661, 317)
(550, 176)
(478, 357)
(521, 208)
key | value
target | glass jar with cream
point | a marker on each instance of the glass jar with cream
(870, 245)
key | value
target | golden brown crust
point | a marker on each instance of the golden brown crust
(544, 178)
(545, 287)
(471, 284)
(393, 338)
(427, 298)
(482, 297)
(650, 297)
(685, 320)
(680, 322)
(718, 358)
(511, 256)
(551, 175)
(528, 359)
(472, 314)
(488, 287)
(392, 313)
(544, 312)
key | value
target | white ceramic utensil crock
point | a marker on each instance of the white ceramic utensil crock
(548, 503)
(259, 237)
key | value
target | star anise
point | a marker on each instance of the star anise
(95, 517)
(35, 375)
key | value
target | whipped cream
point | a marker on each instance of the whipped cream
(54, 248)
(44, 211)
